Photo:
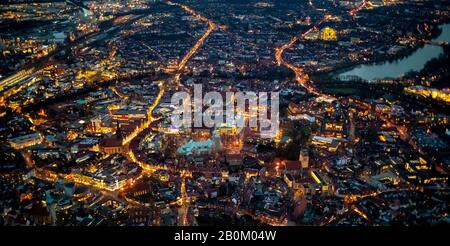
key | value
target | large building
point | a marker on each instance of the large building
(25, 140)
(127, 113)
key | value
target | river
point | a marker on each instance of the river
(397, 68)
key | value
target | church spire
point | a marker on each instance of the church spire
(118, 131)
